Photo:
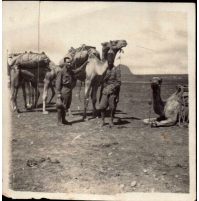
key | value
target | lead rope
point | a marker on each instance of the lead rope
(120, 60)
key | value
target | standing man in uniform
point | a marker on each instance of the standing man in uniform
(110, 93)
(64, 86)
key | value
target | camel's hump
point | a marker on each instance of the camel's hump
(92, 56)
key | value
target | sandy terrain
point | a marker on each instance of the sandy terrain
(85, 158)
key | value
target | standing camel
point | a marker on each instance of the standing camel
(29, 67)
(95, 69)
(79, 59)
(87, 67)
(25, 83)
(174, 110)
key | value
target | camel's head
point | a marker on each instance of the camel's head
(94, 52)
(116, 45)
(156, 82)
(45, 58)
(111, 56)
(72, 50)
(10, 56)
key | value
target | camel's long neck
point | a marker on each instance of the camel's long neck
(103, 67)
(158, 105)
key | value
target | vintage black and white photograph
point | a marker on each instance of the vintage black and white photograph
(99, 100)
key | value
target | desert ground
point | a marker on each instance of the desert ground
(86, 158)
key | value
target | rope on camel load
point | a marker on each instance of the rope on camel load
(184, 106)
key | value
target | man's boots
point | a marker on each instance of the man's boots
(59, 117)
(64, 121)
(112, 117)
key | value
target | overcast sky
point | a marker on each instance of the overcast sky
(157, 40)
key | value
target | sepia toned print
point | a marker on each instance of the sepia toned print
(99, 100)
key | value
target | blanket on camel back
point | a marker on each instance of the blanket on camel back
(29, 60)
(79, 56)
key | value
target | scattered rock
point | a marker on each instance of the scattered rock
(145, 171)
(120, 127)
(110, 154)
(164, 173)
(178, 165)
(133, 183)
(154, 175)
(18, 115)
(176, 176)
(31, 142)
(41, 162)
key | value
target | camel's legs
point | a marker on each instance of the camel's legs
(37, 93)
(69, 112)
(30, 94)
(45, 95)
(167, 122)
(23, 85)
(27, 85)
(112, 117)
(14, 85)
(86, 99)
(53, 92)
(33, 95)
(15, 100)
(147, 121)
(12, 95)
(94, 98)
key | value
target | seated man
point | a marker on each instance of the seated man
(64, 86)
(110, 93)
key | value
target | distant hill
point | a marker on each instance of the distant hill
(125, 70)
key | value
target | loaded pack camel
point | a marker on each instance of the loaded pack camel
(79, 57)
(88, 68)
(27, 67)
(174, 110)
(25, 83)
